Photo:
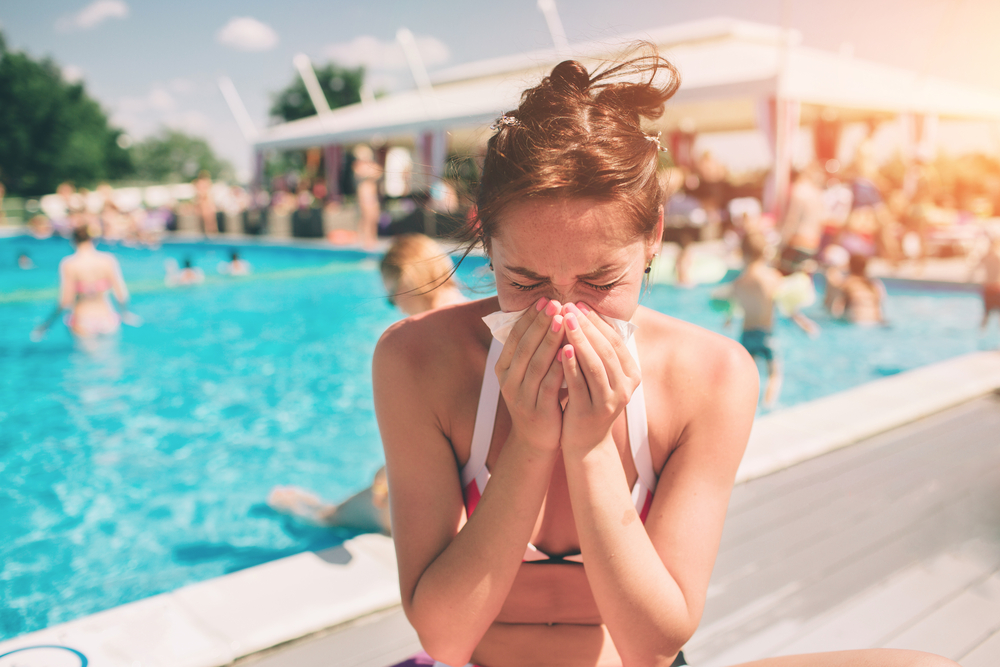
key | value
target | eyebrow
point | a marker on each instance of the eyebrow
(596, 273)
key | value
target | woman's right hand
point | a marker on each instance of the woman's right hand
(530, 376)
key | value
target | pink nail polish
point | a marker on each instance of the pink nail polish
(583, 308)
(541, 303)
(559, 355)
(571, 322)
(557, 324)
(552, 308)
(568, 351)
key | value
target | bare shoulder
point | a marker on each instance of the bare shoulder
(435, 345)
(675, 349)
(697, 375)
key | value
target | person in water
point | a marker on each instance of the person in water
(755, 290)
(86, 278)
(501, 479)
(860, 298)
(236, 266)
(990, 266)
(418, 276)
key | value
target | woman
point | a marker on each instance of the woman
(418, 276)
(367, 173)
(501, 479)
(85, 279)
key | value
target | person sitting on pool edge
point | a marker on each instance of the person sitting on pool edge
(755, 290)
(418, 276)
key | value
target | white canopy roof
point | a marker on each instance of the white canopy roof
(726, 65)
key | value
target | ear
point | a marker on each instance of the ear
(655, 238)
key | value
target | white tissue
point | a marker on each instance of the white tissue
(501, 324)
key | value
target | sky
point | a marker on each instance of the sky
(152, 63)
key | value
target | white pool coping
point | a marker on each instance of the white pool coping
(353, 589)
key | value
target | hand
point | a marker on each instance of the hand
(600, 378)
(530, 377)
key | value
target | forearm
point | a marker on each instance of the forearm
(640, 602)
(460, 594)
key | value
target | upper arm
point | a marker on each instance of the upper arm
(67, 286)
(425, 495)
(692, 495)
(118, 281)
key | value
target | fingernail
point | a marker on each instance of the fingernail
(557, 323)
(552, 308)
(583, 307)
(568, 351)
(571, 322)
(541, 303)
(559, 355)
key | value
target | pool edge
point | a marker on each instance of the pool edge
(327, 595)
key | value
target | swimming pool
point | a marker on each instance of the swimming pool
(138, 468)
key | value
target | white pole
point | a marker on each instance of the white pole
(237, 108)
(304, 65)
(548, 8)
(412, 53)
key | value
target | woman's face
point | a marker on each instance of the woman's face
(570, 250)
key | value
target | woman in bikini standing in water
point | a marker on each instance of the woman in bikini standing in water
(502, 481)
(85, 279)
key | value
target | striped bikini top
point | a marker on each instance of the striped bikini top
(475, 474)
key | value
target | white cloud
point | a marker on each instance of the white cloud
(158, 99)
(93, 15)
(191, 122)
(247, 34)
(375, 54)
(181, 86)
(72, 74)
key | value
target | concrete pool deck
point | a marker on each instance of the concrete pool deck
(341, 606)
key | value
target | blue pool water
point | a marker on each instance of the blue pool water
(143, 466)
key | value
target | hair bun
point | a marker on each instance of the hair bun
(569, 75)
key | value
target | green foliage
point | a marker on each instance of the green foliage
(173, 156)
(340, 85)
(52, 130)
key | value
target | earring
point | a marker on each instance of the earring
(648, 269)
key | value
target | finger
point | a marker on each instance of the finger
(575, 382)
(609, 342)
(518, 351)
(517, 333)
(548, 390)
(592, 366)
(541, 360)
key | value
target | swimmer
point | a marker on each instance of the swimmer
(755, 291)
(236, 266)
(188, 275)
(418, 276)
(990, 265)
(85, 279)
(860, 298)
(24, 261)
(541, 525)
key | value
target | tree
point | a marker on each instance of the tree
(52, 131)
(173, 156)
(341, 86)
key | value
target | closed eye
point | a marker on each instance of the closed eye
(604, 288)
(524, 288)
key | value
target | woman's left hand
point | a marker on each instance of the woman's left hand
(600, 378)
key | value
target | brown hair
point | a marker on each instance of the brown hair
(420, 260)
(578, 134)
(81, 234)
